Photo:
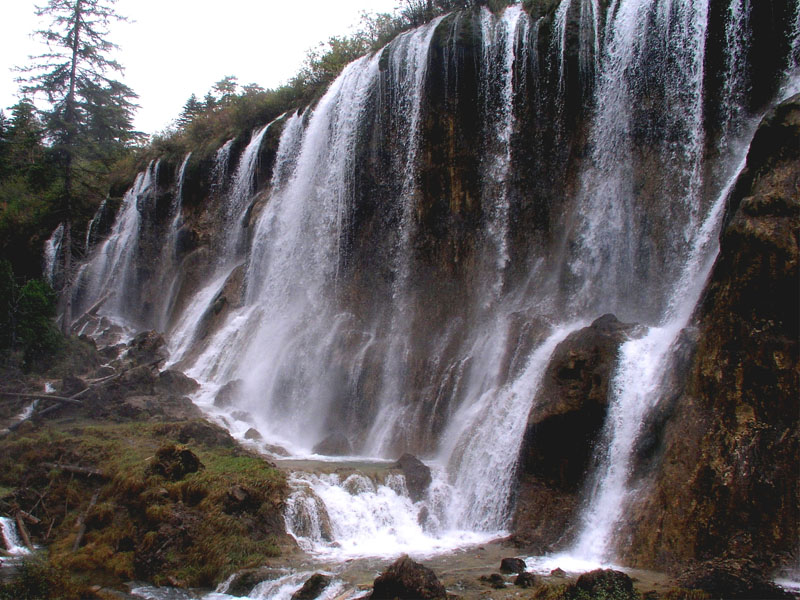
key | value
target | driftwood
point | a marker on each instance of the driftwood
(89, 314)
(77, 470)
(28, 517)
(24, 533)
(81, 524)
(70, 400)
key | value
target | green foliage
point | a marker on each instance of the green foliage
(27, 329)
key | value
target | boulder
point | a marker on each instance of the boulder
(731, 579)
(512, 565)
(407, 580)
(176, 383)
(243, 582)
(313, 587)
(147, 348)
(417, 474)
(336, 444)
(252, 434)
(228, 393)
(563, 428)
(604, 584)
(525, 580)
(496, 580)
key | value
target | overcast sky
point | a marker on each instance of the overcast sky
(174, 48)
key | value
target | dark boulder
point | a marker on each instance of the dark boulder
(336, 444)
(495, 580)
(71, 385)
(417, 474)
(563, 428)
(147, 348)
(243, 582)
(604, 584)
(176, 383)
(313, 587)
(228, 393)
(731, 579)
(407, 580)
(525, 580)
(512, 565)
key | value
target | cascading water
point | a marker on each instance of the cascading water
(320, 345)
(13, 544)
(52, 250)
(109, 273)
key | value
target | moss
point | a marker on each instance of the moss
(196, 529)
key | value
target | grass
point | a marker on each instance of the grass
(194, 530)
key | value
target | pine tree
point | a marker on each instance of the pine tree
(191, 110)
(89, 114)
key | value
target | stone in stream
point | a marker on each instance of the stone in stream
(313, 587)
(512, 565)
(417, 474)
(605, 583)
(228, 393)
(407, 580)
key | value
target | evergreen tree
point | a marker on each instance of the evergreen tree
(191, 110)
(88, 118)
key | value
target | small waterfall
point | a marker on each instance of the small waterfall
(500, 39)
(110, 271)
(240, 194)
(614, 253)
(219, 171)
(14, 545)
(483, 442)
(635, 390)
(52, 250)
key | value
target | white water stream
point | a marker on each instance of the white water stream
(308, 363)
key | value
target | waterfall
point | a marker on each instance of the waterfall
(13, 544)
(52, 250)
(109, 272)
(326, 304)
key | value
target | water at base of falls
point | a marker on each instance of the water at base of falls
(13, 544)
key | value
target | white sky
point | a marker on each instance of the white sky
(174, 48)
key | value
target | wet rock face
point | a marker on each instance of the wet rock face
(407, 580)
(313, 587)
(733, 579)
(335, 444)
(417, 474)
(732, 441)
(570, 408)
(563, 429)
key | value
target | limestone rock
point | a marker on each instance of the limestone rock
(176, 383)
(228, 393)
(734, 579)
(336, 444)
(525, 580)
(728, 431)
(313, 587)
(407, 580)
(417, 474)
(243, 582)
(147, 348)
(252, 434)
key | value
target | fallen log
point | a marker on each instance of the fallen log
(24, 533)
(81, 524)
(70, 400)
(77, 470)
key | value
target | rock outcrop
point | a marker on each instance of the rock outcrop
(726, 446)
(407, 580)
(563, 429)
